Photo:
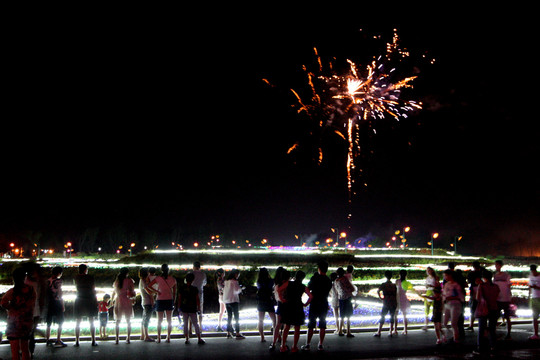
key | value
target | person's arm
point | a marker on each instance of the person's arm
(149, 289)
(198, 303)
(6, 299)
(479, 291)
(280, 291)
(61, 295)
(310, 296)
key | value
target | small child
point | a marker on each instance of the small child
(389, 298)
(190, 305)
(437, 313)
(103, 309)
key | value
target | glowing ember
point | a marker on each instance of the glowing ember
(342, 100)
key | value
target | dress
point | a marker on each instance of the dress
(20, 312)
(403, 303)
(123, 304)
(86, 303)
(293, 308)
(265, 298)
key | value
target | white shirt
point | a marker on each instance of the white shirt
(535, 280)
(452, 289)
(231, 290)
(199, 282)
(502, 280)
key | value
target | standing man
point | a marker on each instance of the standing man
(474, 278)
(502, 280)
(199, 282)
(319, 285)
(534, 294)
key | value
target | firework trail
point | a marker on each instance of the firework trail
(339, 101)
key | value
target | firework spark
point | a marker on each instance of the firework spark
(341, 100)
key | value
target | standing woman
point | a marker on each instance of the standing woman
(265, 300)
(34, 278)
(453, 297)
(231, 297)
(345, 292)
(220, 284)
(147, 303)
(166, 297)
(19, 302)
(124, 293)
(293, 310)
(488, 292)
(280, 283)
(86, 303)
(334, 301)
(432, 282)
(403, 303)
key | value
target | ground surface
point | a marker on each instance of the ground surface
(416, 345)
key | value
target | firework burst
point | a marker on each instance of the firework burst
(341, 100)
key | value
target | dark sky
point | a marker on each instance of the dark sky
(162, 120)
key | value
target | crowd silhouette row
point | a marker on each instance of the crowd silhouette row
(34, 298)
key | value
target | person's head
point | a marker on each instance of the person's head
(83, 269)
(106, 297)
(350, 269)
(322, 266)
(220, 273)
(263, 275)
(430, 271)
(233, 274)
(152, 270)
(33, 270)
(189, 278)
(402, 274)
(449, 275)
(487, 276)
(340, 272)
(533, 269)
(164, 270)
(19, 275)
(333, 276)
(196, 265)
(286, 275)
(476, 265)
(299, 276)
(498, 265)
(57, 271)
(143, 273)
(451, 265)
(388, 275)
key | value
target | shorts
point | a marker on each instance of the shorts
(85, 307)
(504, 306)
(345, 308)
(388, 308)
(279, 308)
(266, 306)
(164, 305)
(103, 318)
(437, 317)
(317, 311)
(55, 313)
(535, 307)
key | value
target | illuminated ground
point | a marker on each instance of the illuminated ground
(416, 345)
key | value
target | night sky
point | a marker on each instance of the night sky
(161, 121)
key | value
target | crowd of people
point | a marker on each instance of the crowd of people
(283, 298)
